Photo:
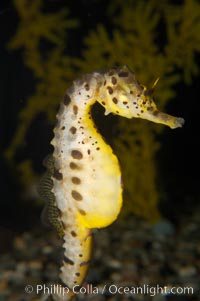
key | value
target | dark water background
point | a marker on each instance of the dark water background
(129, 252)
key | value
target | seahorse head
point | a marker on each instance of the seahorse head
(123, 95)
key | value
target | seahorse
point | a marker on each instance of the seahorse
(86, 176)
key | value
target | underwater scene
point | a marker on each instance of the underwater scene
(100, 150)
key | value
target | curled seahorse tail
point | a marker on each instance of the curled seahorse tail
(50, 213)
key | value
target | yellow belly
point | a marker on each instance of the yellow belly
(102, 191)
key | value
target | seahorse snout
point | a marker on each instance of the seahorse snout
(163, 118)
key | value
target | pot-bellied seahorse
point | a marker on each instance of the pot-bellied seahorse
(85, 175)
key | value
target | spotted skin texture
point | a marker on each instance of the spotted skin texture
(87, 179)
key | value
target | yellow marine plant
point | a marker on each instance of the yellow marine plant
(153, 38)
(51, 69)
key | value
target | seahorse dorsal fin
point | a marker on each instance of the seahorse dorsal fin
(50, 219)
(50, 214)
(44, 217)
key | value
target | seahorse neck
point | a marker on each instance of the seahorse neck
(75, 126)
(85, 91)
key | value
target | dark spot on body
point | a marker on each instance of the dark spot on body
(82, 212)
(76, 195)
(76, 154)
(57, 175)
(155, 113)
(104, 83)
(68, 260)
(76, 180)
(87, 88)
(125, 102)
(73, 233)
(115, 100)
(73, 130)
(103, 103)
(73, 165)
(110, 90)
(114, 80)
(66, 100)
(98, 148)
(84, 263)
(123, 74)
(80, 255)
(63, 128)
(77, 274)
(75, 110)
(88, 151)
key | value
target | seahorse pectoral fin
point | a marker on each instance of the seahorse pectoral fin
(163, 118)
(107, 112)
